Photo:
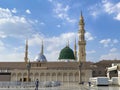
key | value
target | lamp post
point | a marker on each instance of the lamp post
(80, 66)
(28, 70)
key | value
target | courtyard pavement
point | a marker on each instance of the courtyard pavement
(67, 87)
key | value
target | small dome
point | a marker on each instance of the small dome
(40, 58)
(66, 53)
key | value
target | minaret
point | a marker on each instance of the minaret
(75, 50)
(26, 52)
(42, 47)
(82, 41)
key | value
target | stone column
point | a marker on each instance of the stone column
(57, 77)
(39, 77)
(62, 77)
(68, 77)
(22, 77)
(45, 77)
(16, 77)
(50, 76)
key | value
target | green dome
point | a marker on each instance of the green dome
(66, 53)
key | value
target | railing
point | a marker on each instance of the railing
(17, 84)
(29, 84)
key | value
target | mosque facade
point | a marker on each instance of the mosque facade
(71, 67)
(64, 70)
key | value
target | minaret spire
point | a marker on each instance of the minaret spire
(81, 14)
(42, 48)
(82, 41)
(26, 52)
(75, 50)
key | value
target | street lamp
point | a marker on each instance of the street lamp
(80, 66)
(28, 70)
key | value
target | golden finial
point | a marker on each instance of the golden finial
(68, 43)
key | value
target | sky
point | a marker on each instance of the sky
(55, 22)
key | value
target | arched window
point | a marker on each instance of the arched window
(93, 72)
(99, 72)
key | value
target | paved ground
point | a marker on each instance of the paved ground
(68, 87)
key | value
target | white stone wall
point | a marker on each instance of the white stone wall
(51, 75)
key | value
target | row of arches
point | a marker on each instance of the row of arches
(47, 76)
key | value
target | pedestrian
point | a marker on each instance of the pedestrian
(89, 83)
(36, 84)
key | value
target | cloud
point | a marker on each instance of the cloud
(113, 50)
(95, 10)
(110, 56)
(106, 6)
(2, 35)
(91, 52)
(112, 8)
(55, 40)
(58, 26)
(50, 0)
(12, 57)
(108, 42)
(14, 10)
(105, 42)
(42, 23)
(61, 11)
(28, 11)
(14, 26)
(115, 41)
(117, 17)
(10, 53)
(2, 47)
(89, 36)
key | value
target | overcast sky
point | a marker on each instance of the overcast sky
(55, 22)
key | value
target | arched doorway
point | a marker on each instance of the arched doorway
(19, 77)
(42, 77)
(31, 77)
(77, 77)
(71, 77)
(53, 76)
(14, 77)
(36, 76)
(25, 77)
(65, 78)
(59, 77)
(48, 77)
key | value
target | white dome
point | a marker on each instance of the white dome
(40, 58)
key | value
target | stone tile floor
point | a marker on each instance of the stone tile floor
(68, 87)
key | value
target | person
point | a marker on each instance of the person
(89, 83)
(36, 84)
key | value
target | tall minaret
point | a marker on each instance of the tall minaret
(26, 52)
(75, 50)
(82, 41)
(42, 47)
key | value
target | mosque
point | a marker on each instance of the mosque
(71, 67)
